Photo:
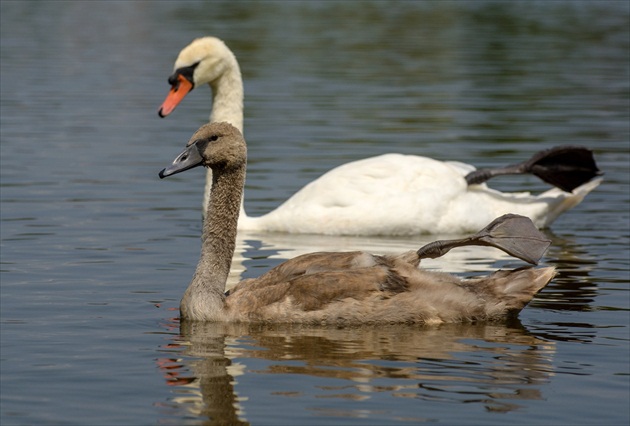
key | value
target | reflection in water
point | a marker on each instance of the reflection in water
(493, 365)
(574, 288)
(90, 235)
(204, 385)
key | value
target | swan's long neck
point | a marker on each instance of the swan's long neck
(204, 299)
(227, 105)
(227, 97)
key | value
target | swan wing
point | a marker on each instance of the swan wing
(311, 264)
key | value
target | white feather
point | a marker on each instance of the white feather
(391, 194)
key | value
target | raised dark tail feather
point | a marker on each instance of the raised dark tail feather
(565, 167)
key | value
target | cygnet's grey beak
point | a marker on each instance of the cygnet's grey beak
(186, 160)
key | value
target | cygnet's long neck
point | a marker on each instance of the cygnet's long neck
(204, 297)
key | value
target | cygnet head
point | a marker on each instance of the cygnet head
(203, 61)
(219, 146)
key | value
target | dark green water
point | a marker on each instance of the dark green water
(96, 250)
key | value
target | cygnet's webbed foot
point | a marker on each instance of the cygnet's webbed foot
(516, 235)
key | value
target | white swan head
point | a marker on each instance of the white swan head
(204, 61)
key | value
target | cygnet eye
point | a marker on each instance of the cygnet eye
(214, 138)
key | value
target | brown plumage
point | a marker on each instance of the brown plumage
(327, 287)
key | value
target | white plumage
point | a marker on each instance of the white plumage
(391, 194)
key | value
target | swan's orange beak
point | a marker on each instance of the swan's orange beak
(175, 95)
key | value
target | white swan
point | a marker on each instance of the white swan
(343, 288)
(391, 194)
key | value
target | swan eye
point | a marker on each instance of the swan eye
(214, 138)
(186, 72)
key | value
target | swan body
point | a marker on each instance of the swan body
(327, 287)
(391, 194)
(396, 194)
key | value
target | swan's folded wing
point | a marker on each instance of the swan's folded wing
(315, 292)
(311, 263)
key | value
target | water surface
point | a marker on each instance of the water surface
(96, 250)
